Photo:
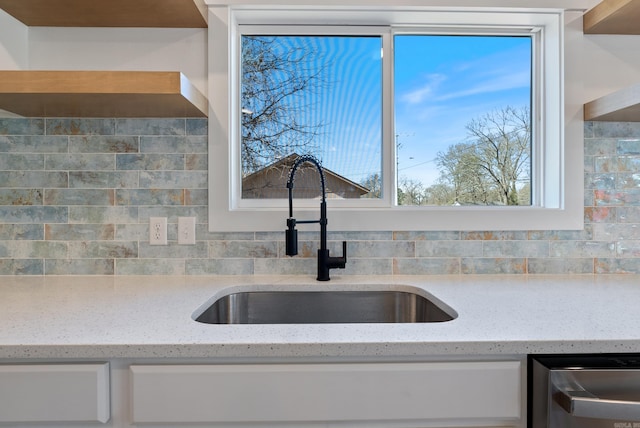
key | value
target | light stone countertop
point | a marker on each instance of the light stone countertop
(151, 317)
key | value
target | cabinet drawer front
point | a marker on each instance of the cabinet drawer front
(326, 392)
(54, 393)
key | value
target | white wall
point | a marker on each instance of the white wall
(612, 62)
(133, 49)
(553, 4)
(14, 39)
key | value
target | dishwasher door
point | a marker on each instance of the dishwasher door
(585, 392)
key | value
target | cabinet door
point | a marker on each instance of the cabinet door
(464, 391)
(54, 393)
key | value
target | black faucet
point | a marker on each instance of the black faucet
(325, 262)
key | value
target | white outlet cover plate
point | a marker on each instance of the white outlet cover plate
(157, 231)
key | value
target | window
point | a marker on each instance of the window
(339, 91)
(310, 94)
(462, 120)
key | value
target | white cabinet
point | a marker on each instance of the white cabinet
(54, 393)
(387, 394)
(179, 393)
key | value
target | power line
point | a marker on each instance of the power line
(418, 164)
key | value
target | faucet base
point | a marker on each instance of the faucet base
(326, 263)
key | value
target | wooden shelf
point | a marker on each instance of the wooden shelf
(108, 13)
(613, 17)
(620, 106)
(100, 94)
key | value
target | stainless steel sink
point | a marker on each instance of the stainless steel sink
(310, 307)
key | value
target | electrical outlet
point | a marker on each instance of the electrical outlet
(186, 230)
(157, 231)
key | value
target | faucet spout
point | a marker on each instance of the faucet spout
(325, 261)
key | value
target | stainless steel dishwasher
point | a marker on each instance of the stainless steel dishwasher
(584, 391)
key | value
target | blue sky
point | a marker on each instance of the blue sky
(441, 84)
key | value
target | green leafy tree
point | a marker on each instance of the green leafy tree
(440, 194)
(460, 170)
(412, 192)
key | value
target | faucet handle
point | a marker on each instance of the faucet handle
(339, 262)
(291, 238)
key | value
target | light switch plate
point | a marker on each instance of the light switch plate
(186, 230)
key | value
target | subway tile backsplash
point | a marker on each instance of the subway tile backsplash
(76, 196)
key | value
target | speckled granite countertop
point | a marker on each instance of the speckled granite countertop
(151, 317)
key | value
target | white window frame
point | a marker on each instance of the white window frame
(558, 202)
(385, 32)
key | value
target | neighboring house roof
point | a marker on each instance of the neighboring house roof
(271, 182)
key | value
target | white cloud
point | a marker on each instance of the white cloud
(424, 91)
(494, 84)
(497, 72)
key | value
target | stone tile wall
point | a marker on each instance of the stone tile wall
(76, 196)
